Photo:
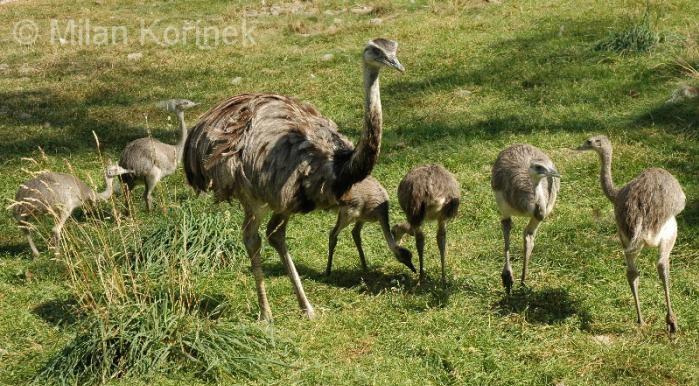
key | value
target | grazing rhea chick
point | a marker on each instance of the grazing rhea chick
(57, 194)
(644, 210)
(149, 159)
(428, 192)
(366, 201)
(525, 183)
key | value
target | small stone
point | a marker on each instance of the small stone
(605, 340)
(4, 67)
(135, 56)
(46, 125)
(363, 10)
(237, 80)
(376, 21)
(327, 57)
(463, 93)
(23, 116)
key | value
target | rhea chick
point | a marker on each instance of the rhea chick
(644, 210)
(526, 184)
(151, 160)
(428, 192)
(57, 194)
(366, 201)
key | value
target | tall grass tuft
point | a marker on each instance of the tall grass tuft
(141, 312)
(639, 37)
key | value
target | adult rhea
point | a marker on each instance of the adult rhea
(274, 153)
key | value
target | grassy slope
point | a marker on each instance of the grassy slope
(532, 76)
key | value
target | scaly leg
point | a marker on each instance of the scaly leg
(342, 222)
(253, 244)
(30, 240)
(151, 181)
(664, 273)
(276, 234)
(632, 276)
(507, 278)
(357, 236)
(529, 235)
(420, 246)
(58, 228)
(442, 244)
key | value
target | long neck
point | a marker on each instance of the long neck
(183, 136)
(108, 190)
(606, 175)
(363, 158)
(541, 199)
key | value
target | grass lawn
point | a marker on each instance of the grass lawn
(479, 76)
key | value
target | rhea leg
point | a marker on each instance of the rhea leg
(253, 243)
(342, 222)
(664, 273)
(357, 236)
(276, 234)
(420, 246)
(529, 235)
(27, 233)
(58, 228)
(632, 276)
(151, 181)
(442, 244)
(507, 278)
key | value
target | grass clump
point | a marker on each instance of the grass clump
(148, 318)
(637, 38)
(207, 240)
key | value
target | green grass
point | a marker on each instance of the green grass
(479, 76)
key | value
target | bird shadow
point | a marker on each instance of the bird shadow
(547, 306)
(59, 312)
(16, 250)
(372, 282)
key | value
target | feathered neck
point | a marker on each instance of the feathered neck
(183, 136)
(362, 160)
(606, 174)
(108, 190)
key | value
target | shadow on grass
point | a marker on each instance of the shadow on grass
(547, 306)
(431, 294)
(58, 312)
(16, 249)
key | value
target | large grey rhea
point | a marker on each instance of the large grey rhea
(274, 153)
(644, 210)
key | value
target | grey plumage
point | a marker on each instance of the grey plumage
(58, 195)
(525, 183)
(274, 153)
(151, 160)
(366, 201)
(428, 192)
(645, 211)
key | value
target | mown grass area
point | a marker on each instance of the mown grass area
(480, 76)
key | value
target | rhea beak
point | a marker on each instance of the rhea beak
(553, 173)
(394, 63)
